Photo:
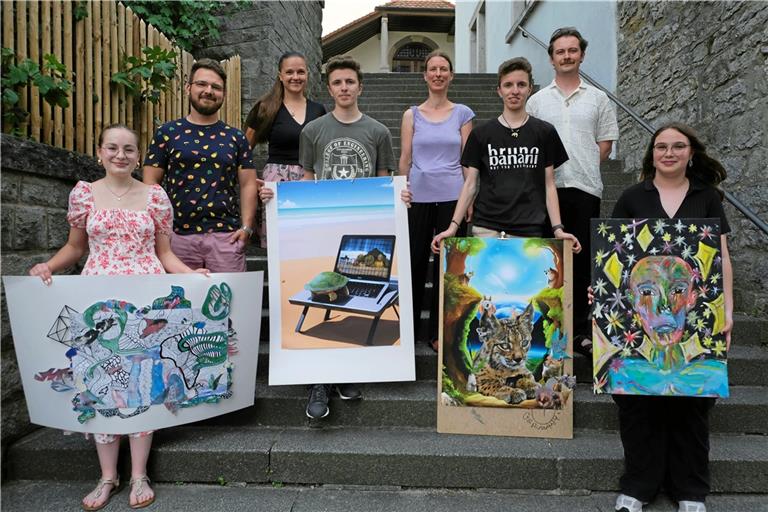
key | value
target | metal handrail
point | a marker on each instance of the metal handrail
(744, 209)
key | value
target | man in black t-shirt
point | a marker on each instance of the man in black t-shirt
(510, 162)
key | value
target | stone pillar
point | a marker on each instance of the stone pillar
(384, 59)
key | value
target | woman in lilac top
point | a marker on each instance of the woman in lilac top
(432, 139)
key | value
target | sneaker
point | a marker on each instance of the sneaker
(626, 503)
(348, 391)
(317, 405)
(691, 506)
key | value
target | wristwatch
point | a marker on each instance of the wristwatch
(558, 226)
(247, 230)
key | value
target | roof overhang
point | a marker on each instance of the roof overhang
(399, 19)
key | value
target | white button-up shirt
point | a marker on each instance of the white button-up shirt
(582, 119)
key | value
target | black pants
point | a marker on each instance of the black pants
(576, 208)
(666, 443)
(425, 220)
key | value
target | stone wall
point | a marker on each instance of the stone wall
(260, 33)
(706, 64)
(36, 180)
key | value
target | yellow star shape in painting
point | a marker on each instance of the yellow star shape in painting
(645, 237)
(613, 268)
(704, 258)
(692, 228)
(720, 348)
(717, 308)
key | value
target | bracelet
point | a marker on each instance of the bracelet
(454, 222)
(247, 230)
(557, 226)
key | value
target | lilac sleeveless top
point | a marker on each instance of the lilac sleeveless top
(436, 174)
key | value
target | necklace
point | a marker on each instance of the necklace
(120, 196)
(515, 131)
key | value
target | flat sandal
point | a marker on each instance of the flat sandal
(114, 482)
(139, 482)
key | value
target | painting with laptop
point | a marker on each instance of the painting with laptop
(338, 251)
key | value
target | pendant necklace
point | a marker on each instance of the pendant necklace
(119, 196)
(515, 131)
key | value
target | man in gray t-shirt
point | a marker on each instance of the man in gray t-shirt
(334, 149)
(345, 143)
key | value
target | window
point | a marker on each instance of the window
(410, 58)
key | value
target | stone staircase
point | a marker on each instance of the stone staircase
(383, 453)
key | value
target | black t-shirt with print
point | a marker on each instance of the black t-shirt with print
(512, 196)
(285, 131)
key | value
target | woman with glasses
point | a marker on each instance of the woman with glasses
(666, 439)
(278, 118)
(432, 138)
(125, 227)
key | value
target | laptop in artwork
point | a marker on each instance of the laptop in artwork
(366, 260)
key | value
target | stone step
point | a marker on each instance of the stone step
(381, 456)
(56, 496)
(412, 405)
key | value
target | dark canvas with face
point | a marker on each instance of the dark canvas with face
(659, 307)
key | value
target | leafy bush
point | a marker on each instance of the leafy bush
(53, 87)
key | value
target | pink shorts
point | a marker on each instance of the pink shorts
(210, 250)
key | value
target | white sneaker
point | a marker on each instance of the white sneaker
(691, 506)
(626, 503)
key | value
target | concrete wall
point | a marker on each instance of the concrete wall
(595, 20)
(368, 54)
(36, 181)
(705, 64)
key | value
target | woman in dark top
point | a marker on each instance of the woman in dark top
(278, 118)
(666, 438)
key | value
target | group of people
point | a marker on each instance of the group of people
(534, 171)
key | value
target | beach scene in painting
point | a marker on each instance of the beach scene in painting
(505, 341)
(334, 237)
(659, 307)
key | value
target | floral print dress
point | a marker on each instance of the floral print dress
(120, 241)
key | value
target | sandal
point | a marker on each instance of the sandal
(97, 492)
(583, 345)
(138, 490)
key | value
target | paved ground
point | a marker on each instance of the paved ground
(59, 497)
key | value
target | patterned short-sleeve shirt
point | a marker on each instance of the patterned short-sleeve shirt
(201, 163)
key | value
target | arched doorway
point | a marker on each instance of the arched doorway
(409, 58)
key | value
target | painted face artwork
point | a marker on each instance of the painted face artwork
(658, 312)
(662, 292)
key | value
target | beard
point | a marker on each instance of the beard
(207, 109)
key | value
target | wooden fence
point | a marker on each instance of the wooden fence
(92, 49)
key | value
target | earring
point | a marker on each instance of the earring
(690, 162)
(99, 161)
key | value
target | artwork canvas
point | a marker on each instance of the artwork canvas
(505, 337)
(339, 275)
(659, 307)
(122, 354)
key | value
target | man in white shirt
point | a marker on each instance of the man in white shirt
(586, 122)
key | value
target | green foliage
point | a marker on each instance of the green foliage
(470, 246)
(50, 82)
(149, 75)
(450, 389)
(221, 480)
(189, 23)
(80, 10)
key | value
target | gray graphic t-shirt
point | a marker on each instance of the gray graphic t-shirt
(335, 150)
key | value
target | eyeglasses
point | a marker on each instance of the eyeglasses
(677, 147)
(204, 85)
(128, 151)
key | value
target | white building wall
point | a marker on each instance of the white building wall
(368, 53)
(596, 20)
